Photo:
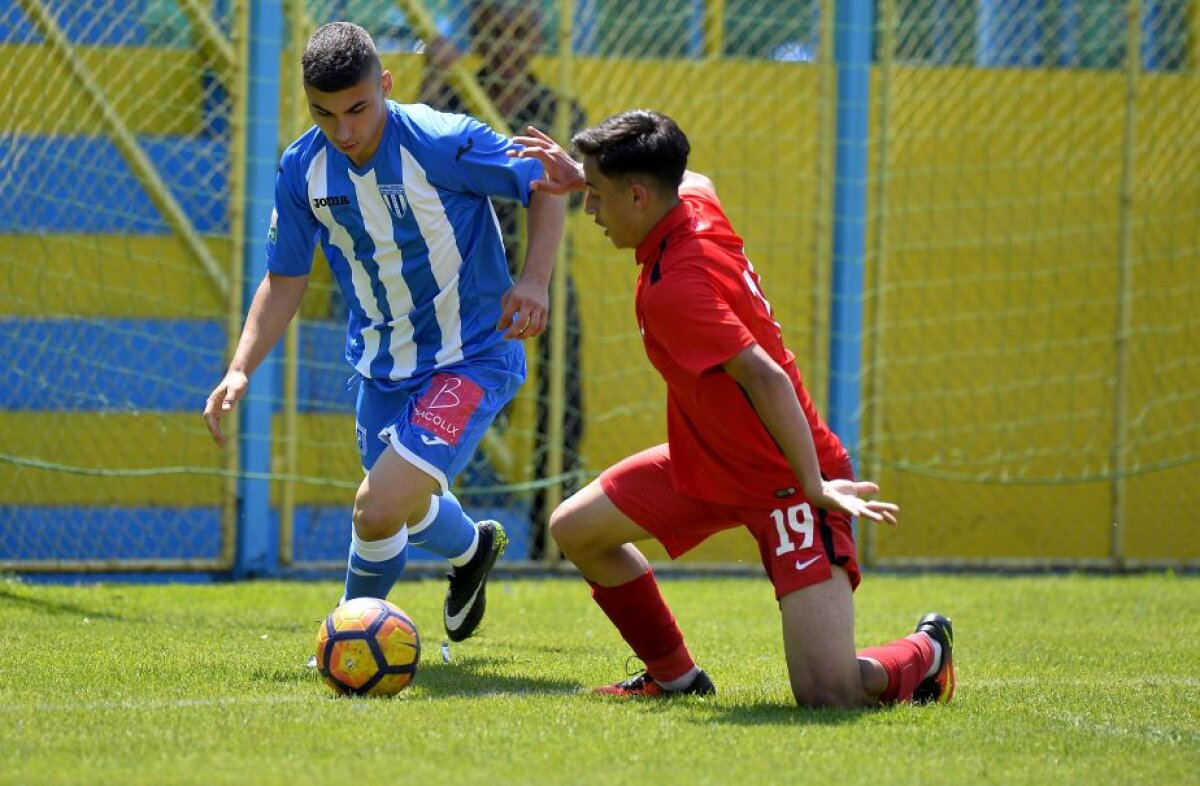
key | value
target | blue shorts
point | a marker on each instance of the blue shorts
(436, 422)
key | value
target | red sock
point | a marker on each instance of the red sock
(905, 662)
(641, 615)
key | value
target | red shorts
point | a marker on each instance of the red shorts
(798, 544)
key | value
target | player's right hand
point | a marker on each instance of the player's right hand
(222, 400)
(563, 174)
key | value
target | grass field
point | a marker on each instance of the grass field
(1061, 680)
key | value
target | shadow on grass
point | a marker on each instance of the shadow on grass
(462, 677)
(285, 675)
(54, 607)
(774, 714)
(474, 676)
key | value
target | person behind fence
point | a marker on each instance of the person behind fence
(745, 445)
(506, 34)
(399, 197)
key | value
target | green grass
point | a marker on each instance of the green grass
(1061, 680)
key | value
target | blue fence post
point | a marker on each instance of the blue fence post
(257, 543)
(852, 54)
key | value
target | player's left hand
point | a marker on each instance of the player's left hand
(562, 174)
(523, 310)
(843, 495)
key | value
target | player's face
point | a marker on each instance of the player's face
(353, 119)
(615, 204)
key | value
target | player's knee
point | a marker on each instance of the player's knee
(814, 695)
(822, 698)
(373, 521)
(560, 528)
(568, 531)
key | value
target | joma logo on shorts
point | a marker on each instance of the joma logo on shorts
(331, 201)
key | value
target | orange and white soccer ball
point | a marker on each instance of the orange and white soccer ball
(368, 647)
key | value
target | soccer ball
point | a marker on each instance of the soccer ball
(368, 647)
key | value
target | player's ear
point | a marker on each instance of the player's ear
(386, 83)
(641, 194)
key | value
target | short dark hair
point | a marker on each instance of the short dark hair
(339, 55)
(639, 141)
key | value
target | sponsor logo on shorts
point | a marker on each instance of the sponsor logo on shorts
(447, 406)
(802, 565)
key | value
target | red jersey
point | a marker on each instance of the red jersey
(699, 304)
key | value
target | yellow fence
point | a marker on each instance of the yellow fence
(1031, 348)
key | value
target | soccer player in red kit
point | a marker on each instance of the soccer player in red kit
(745, 446)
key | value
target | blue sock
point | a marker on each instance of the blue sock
(446, 530)
(374, 566)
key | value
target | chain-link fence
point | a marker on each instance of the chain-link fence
(1034, 243)
(1029, 354)
(115, 246)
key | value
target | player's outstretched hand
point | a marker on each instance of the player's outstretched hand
(221, 401)
(563, 173)
(524, 308)
(843, 495)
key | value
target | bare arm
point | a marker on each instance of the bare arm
(529, 298)
(774, 399)
(275, 303)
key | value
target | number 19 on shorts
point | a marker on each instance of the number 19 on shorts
(797, 519)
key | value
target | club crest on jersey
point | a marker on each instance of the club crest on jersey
(393, 194)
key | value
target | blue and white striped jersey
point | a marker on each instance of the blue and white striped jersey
(411, 238)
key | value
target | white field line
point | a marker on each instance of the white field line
(1155, 681)
(1091, 724)
(1098, 727)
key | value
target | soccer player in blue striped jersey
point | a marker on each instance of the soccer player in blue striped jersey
(399, 197)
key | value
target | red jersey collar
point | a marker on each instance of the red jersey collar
(675, 218)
